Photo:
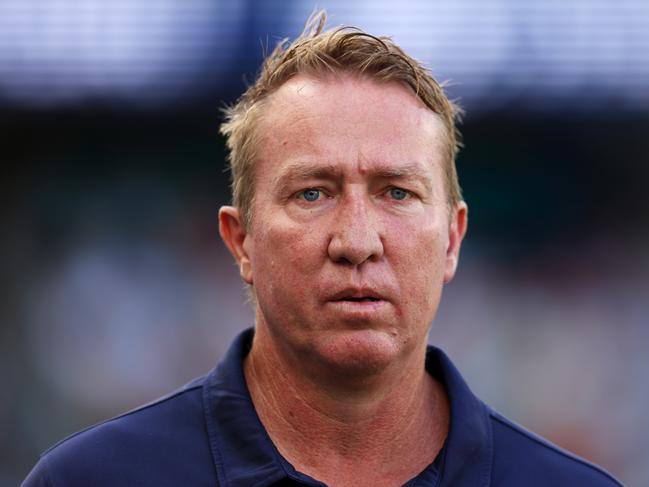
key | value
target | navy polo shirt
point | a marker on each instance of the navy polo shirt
(208, 434)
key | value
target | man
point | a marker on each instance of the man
(347, 222)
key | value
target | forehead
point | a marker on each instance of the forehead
(346, 118)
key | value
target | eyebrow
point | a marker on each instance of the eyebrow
(303, 170)
(406, 171)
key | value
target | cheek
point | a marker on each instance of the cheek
(421, 264)
(286, 270)
(289, 257)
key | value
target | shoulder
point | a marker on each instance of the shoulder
(521, 457)
(126, 449)
(489, 449)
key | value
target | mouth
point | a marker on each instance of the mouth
(358, 295)
(361, 299)
(359, 303)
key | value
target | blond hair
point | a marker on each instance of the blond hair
(318, 52)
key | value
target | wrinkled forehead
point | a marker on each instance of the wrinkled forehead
(349, 129)
(317, 108)
(349, 89)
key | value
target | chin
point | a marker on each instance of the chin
(359, 352)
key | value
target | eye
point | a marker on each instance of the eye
(310, 194)
(399, 194)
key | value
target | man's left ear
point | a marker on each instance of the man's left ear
(457, 228)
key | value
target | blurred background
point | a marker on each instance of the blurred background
(116, 288)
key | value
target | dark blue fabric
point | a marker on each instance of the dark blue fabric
(208, 434)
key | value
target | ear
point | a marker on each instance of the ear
(236, 239)
(457, 228)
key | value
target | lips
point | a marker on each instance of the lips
(361, 299)
(360, 305)
(359, 295)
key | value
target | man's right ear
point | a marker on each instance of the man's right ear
(236, 238)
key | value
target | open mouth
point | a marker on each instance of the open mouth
(358, 296)
(366, 299)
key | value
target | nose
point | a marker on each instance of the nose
(355, 236)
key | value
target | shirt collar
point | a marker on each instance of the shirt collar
(469, 445)
(244, 454)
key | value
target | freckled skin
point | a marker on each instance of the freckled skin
(298, 253)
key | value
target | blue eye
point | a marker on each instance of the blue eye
(398, 193)
(311, 194)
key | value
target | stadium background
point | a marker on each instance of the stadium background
(116, 288)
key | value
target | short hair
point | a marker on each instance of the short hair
(317, 52)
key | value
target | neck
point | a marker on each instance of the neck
(346, 432)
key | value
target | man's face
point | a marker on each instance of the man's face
(351, 238)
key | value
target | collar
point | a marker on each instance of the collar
(244, 454)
